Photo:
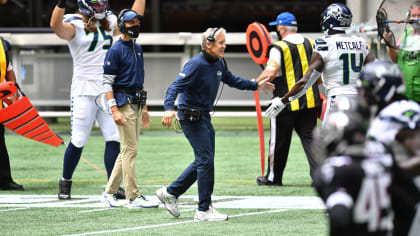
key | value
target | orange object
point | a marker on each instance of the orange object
(321, 112)
(257, 42)
(22, 118)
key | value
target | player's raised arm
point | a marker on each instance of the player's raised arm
(139, 6)
(63, 30)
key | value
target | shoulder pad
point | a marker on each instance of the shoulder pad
(72, 17)
(321, 45)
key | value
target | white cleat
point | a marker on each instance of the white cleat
(110, 200)
(170, 201)
(210, 215)
(141, 202)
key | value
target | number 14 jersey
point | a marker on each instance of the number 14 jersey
(343, 56)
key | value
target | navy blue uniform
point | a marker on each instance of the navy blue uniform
(130, 74)
(197, 86)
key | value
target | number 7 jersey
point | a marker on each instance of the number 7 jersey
(88, 50)
(343, 56)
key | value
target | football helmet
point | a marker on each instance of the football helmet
(380, 81)
(337, 16)
(95, 8)
(342, 133)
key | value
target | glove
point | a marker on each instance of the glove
(275, 108)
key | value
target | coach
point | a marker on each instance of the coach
(197, 86)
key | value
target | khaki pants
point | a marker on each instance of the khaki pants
(124, 165)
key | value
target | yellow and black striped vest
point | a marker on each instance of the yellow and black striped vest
(294, 64)
(4, 61)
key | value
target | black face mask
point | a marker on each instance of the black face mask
(133, 31)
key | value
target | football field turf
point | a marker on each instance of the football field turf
(292, 209)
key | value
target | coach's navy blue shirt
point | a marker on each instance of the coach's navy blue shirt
(125, 60)
(199, 81)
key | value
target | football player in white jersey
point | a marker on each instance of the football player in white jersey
(89, 33)
(337, 56)
(393, 137)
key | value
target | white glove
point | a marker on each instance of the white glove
(275, 108)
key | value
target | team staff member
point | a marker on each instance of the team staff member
(123, 84)
(89, 34)
(338, 56)
(6, 74)
(288, 62)
(197, 86)
(405, 58)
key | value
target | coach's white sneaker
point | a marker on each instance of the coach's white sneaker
(210, 215)
(170, 201)
(110, 200)
(141, 202)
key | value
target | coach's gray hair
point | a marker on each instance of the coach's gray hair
(291, 28)
(207, 33)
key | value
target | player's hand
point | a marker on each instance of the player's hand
(168, 116)
(118, 117)
(275, 108)
(266, 86)
(145, 119)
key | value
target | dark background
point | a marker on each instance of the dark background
(175, 15)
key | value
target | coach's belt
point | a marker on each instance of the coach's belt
(139, 97)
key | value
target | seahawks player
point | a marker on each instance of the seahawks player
(355, 189)
(392, 134)
(337, 56)
(89, 34)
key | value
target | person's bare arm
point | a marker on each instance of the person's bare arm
(63, 30)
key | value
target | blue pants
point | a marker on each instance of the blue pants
(200, 134)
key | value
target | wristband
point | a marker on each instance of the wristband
(112, 102)
(61, 3)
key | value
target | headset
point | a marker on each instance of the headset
(211, 37)
(121, 23)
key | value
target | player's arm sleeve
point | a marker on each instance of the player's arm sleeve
(110, 69)
(311, 81)
(183, 81)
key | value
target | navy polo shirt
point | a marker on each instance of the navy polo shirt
(198, 83)
(125, 60)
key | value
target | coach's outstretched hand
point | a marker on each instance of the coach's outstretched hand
(167, 118)
(275, 108)
(265, 85)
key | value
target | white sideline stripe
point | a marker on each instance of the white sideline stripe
(160, 113)
(170, 224)
(15, 209)
(94, 210)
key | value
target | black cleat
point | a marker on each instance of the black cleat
(64, 189)
(11, 186)
(263, 181)
(120, 194)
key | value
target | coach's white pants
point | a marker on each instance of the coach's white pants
(84, 112)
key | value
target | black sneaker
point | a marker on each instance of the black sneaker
(11, 186)
(120, 194)
(64, 189)
(262, 180)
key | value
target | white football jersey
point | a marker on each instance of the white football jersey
(391, 119)
(343, 57)
(88, 51)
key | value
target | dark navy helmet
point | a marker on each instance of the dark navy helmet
(95, 8)
(337, 16)
(380, 81)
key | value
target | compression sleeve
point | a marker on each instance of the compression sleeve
(311, 81)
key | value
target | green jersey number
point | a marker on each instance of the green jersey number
(94, 42)
(349, 61)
